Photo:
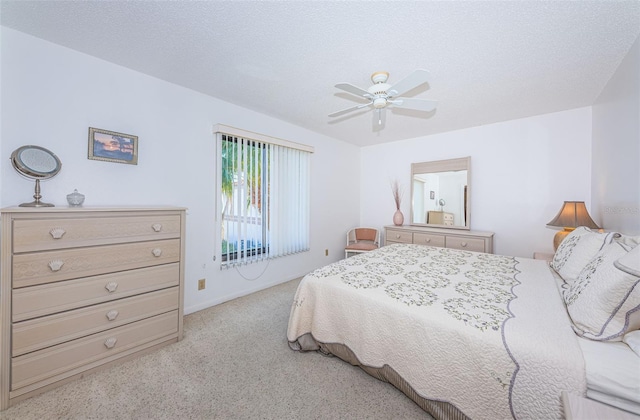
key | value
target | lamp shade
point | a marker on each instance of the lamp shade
(573, 214)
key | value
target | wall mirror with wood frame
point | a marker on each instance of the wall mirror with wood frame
(440, 192)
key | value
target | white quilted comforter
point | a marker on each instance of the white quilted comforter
(488, 334)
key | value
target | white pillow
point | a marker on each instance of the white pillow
(604, 302)
(633, 340)
(630, 263)
(577, 249)
(631, 241)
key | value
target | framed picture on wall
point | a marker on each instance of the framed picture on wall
(110, 146)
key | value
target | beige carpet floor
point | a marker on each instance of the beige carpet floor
(233, 363)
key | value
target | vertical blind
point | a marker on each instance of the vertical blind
(289, 201)
(265, 199)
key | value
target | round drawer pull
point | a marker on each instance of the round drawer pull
(57, 233)
(111, 286)
(427, 240)
(111, 315)
(157, 252)
(56, 265)
(397, 236)
(157, 227)
(463, 244)
(110, 342)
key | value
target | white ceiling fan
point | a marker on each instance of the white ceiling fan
(382, 94)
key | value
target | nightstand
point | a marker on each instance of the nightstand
(542, 256)
(579, 408)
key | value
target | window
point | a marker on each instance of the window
(264, 196)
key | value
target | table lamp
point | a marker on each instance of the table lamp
(571, 215)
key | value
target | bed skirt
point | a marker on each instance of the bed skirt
(440, 410)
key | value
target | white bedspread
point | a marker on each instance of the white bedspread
(486, 333)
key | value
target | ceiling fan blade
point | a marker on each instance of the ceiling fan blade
(415, 103)
(353, 89)
(413, 80)
(353, 108)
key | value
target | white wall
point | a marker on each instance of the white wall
(50, 97)
(616, 148)
(521, 172)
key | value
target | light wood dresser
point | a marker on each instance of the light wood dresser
(440, 218)
(84, 288)
(469, 240)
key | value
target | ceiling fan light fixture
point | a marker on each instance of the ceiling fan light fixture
(379, 103)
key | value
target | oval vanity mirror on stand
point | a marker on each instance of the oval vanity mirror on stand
(35, 162)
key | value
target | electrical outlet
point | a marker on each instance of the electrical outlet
(201, 284)
(326, 252)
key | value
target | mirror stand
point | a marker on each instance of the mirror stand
(35, 162)
(37, 197)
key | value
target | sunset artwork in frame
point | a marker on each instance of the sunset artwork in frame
(110, 146)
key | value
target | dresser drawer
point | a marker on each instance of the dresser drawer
(467, 244)
(398, 236)
(428, 239)
(51, 266)
(46, 299)
(52, 233)
(67, 359)
(36, 334)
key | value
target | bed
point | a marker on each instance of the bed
(467, 334)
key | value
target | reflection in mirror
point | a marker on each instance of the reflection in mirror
(440, 193)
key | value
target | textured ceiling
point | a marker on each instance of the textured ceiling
(489, 61)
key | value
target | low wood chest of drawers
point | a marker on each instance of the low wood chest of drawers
(82, 288)
(469, 240)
